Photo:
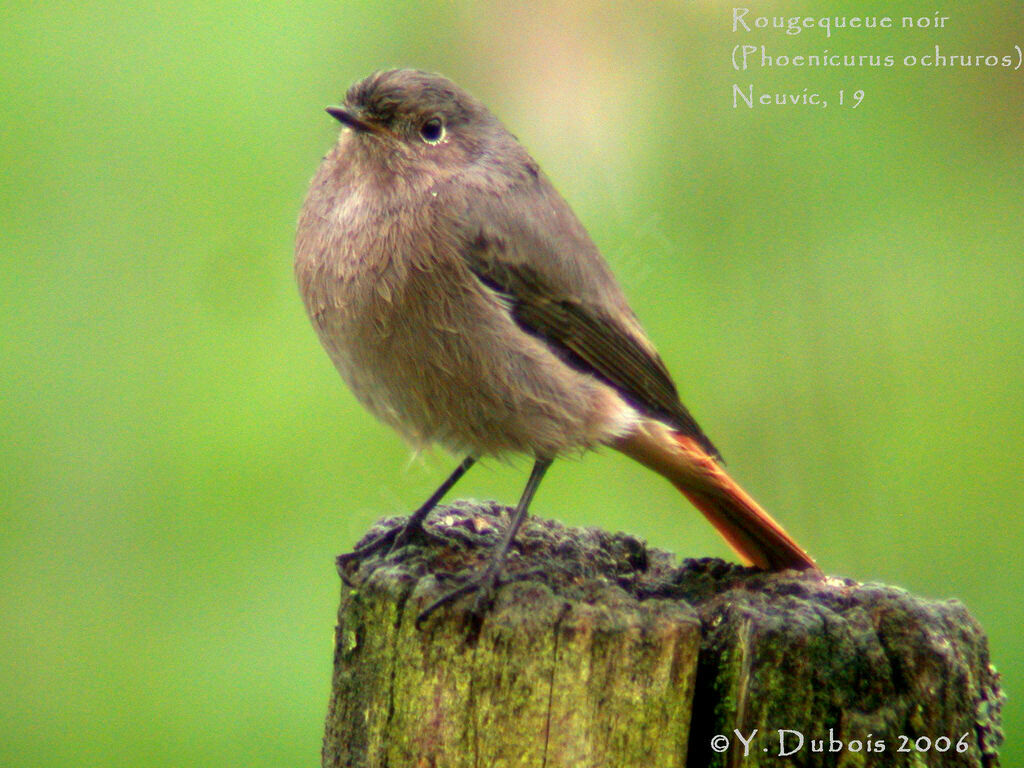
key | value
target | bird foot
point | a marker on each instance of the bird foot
(389, 542)
(484, 584)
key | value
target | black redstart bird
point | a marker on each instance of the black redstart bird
(466, 306)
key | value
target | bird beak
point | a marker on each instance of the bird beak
(345, 117)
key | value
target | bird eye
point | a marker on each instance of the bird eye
(432, 131)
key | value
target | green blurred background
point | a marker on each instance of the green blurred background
(839, 293)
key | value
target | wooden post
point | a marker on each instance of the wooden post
(604, 653)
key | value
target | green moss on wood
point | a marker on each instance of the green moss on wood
(604, 653)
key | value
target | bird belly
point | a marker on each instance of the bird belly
(433, 353)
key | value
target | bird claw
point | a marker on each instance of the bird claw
(389, 543)
(483, 583)
(372, 548)
(411, 532)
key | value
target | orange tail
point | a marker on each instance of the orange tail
(751, 531)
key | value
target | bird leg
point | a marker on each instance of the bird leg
(484, 582)
(413, 527)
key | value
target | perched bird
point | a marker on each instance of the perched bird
(465, 305)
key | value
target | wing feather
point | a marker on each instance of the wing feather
(587, 338)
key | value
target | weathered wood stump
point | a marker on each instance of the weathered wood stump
(602, 652)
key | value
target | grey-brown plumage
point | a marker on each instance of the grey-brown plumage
(451, 284)
(465, 304)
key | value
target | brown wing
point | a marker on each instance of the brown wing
(586, 338)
